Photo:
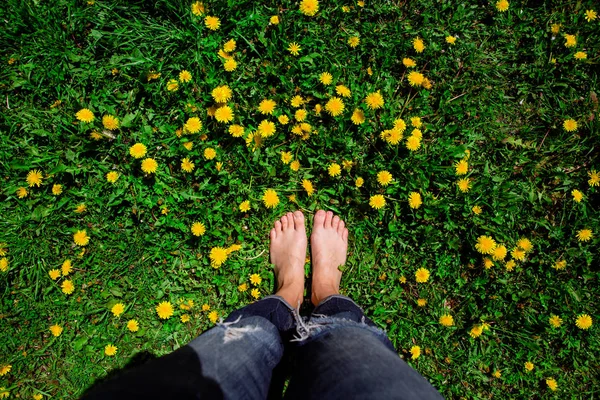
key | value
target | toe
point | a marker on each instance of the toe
(345, 235)
(298, 220)
(328, 219)
(273, 234)
(278, 226)
(335, 222)
(341, 228)
(320, 218)
(284, 222)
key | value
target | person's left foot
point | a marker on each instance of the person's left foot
(288, 253)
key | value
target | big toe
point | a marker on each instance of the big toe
(299, 220)
(320, 219)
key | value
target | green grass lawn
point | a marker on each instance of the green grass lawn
(479, 128)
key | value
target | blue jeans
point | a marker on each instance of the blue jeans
(337, 353)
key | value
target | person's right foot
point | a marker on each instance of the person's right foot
(329, 244)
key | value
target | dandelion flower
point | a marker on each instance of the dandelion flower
(295, 165)
(229, 46)
(224, 114)
(476, 331)
(359, 182)
(555, 28)
(580, 55)
(66, 267)
(110, 350)
(81, 238)
(594, 178)
(309, 7)
(485, 245)
(477, 210)
(570, 125)
(558, 265)
(583, 321)
(450, 39)
(528, 366)
(193, 125)
(353, 41)
(236, 130)
(54, 273)
(209, 153)
(294, 48)
(230, 65)
(343, 91)
(415, 78)
(164, 310)
(80, 208)
(56, 330)
(552, 384)
(590, 15)
(212, 23)
(300, 115)
(420, 302)
(198, 8)
(138, 150)
(274, 20)
(221, 94)
(334, 106)
(297, 101)
(326, 78)
(415, 352)
(510, 265)
(198, 229)
(358, 117)
(422, 275)
(286, 157)
(308, 186)
(464, 184)
(266, 128)
(34, 178)
(374, 100)
(414, 200)
(267, 107)
(584, 235)
(502, 5)
(117, 309)
(283, 119)
(446, 320)
(218, 255)
(112, 176)
(555, 321)
(172, 85)
(413, 143)
(67, 287)
(570, 40)
(334, 170)
(110, 122)
(5, 369)
(85, 115)
(270, 198)
(384, 178)
(22, 192)
(149, 165)
(255, 279)
(57, 189)
(462, 167)
(418, 45)
(499, 253)
(377, 201)
(132, 325)
(244, 206)
(409, 62)
(213, 316)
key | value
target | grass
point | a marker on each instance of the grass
(499, 96)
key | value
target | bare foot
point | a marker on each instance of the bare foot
(288, 253)
(329, 244)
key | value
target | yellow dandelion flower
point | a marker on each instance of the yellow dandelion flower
(270, 198)
(525, 244)
(117, 309)
(528, 366)
(54, 274)
(359, 182)
(353, 41)
(309, 7)
(198, 229)
(66, 268)
(560, 264)
(418, 44)
(56, 330)
(502, 5)
(198, 8)
(422, 275)
(224, 114)
(244, 206)
(413, 143)
(213, 316)
(308, 186)
(193, 125)
(555, 28)
(518, 254)
(81, 238)
(187, 165)
(85, 115)
(358, 117)
(499, 253)
(212, 23)
(510, 265)
(149, 165)
(451, 39)
(209, 153)
(138, 150)
(229, 46)
(414, 200)
(133, 325)
(584, 235)
(485, 245)
(570, 40)
(185, 76)
(294, 48)
(415, 352)
(555, 321)
(570, 125)
(5, 369)
(462, 167)
(420, 302)
(110, 122)
(57, 189)
(22, 192)
(464, 184)
(218, 255)
(34, 178)
(283, 119)
(267, 107)
(255, 279)
(326, 78)
(552, 384)
(221, 94)
(266, 128)
(334, 106)
(112, 176)
(67, 287)
(110, 350)
(286, 157)
(230, 65)
(584, 321)
(409, 62)
(377, 201)
(81, 208)
(374, 100)
(477, 210)
(476, 331)
(384, 178)
(580, 55)
(300, 115)
(446, 320)
(590, 15)
(594, 178)
(334, 170)
(164, 310)
(274, 20)
(172, 85)
(415, 78)
(295, 165)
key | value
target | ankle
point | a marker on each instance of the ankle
(293, 294)
(321, 292)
